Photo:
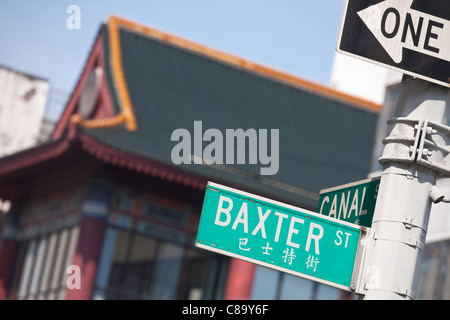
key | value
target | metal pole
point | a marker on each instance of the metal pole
(401, 214)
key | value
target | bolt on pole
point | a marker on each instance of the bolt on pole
(400, 221)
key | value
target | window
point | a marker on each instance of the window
(434, 280)
(265, 283)
(41, 266)
(142, 267)
(167, 272)
(270, 284)
(194, 275)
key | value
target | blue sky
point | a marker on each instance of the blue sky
(295, 36)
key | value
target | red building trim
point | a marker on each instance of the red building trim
(87, 256)
(143, 165)
(103, 153)
(96, 59)
(33, 156)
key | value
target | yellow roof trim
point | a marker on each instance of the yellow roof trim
(127, 114)
(233, 60)
(118, 75)
(99, 123)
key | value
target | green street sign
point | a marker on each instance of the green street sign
(278, 235)
(353, 202)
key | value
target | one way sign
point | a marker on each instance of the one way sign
(410, 36)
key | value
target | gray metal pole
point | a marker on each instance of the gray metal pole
(401, 215)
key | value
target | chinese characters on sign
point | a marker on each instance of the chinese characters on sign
(288, 256)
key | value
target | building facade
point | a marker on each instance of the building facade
(116, 194)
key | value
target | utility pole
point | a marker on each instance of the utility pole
(414, 156)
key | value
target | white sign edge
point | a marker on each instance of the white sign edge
(348, 185)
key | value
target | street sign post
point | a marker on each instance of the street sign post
(413, 37)
(410, 36)
(353, 202)
(279, 236)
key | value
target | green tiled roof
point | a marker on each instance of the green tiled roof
(324, 141)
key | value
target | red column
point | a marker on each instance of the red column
(6, 261)
(86, 256)
(240, 280)
(90, 239)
